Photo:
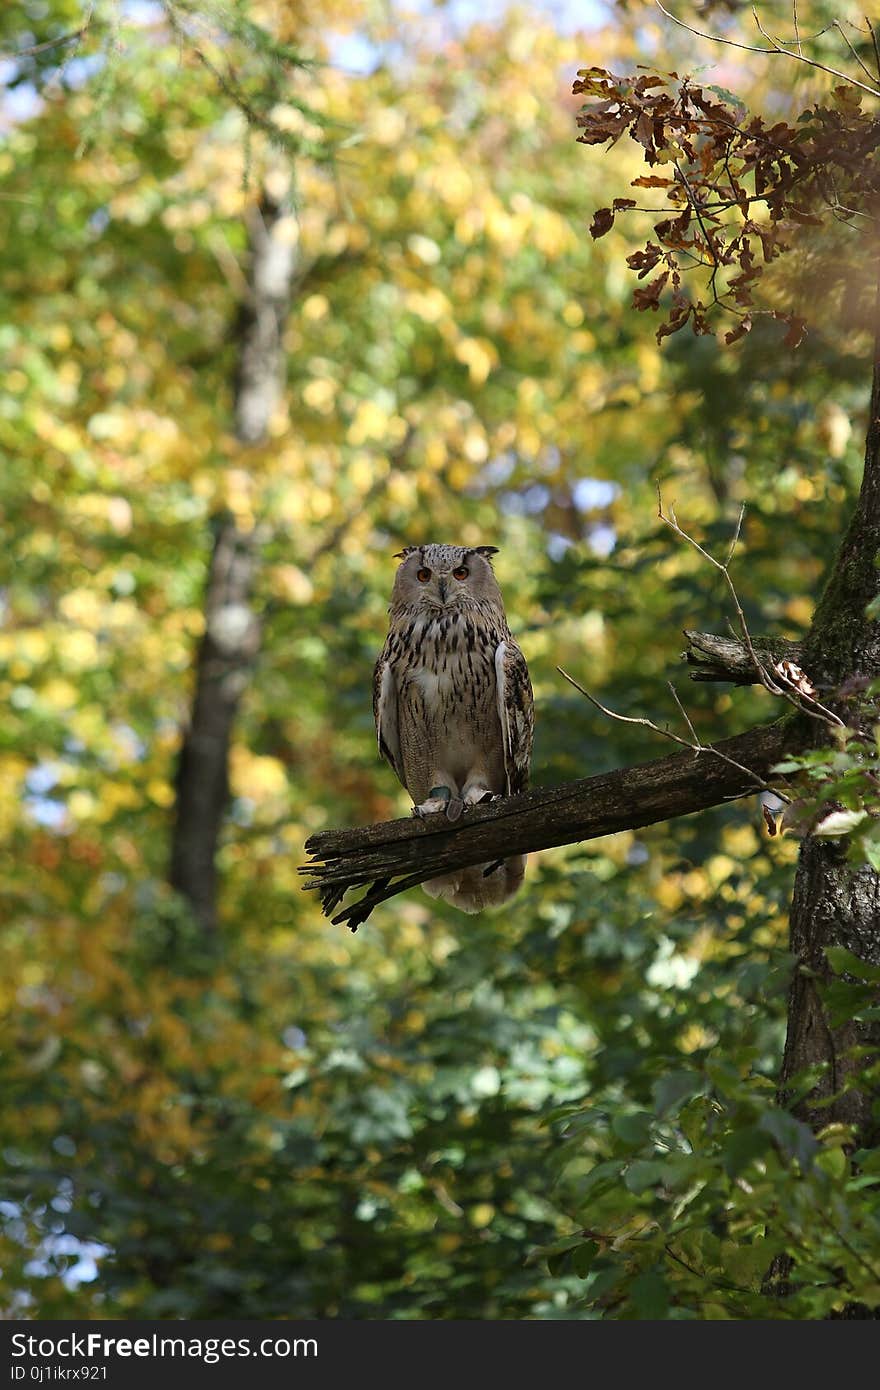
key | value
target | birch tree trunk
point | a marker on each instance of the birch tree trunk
(232, 632)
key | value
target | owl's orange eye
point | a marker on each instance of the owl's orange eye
(462, 572)
(423, 576)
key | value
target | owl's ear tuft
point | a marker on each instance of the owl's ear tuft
(407, 550)
(486, 550)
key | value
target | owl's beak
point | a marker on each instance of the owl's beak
(441, 586)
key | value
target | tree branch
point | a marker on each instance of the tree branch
(714, 658)
(775, 47)
(694, 742)
(73, 37)
(397, 855)
(785, 679)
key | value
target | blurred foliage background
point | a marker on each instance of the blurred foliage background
(442, 1116)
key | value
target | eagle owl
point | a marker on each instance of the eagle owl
(453, 702)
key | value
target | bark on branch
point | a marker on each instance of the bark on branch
(714, 658)
(389, 858)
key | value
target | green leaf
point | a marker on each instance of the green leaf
(602, 1177)
(650, 1295)
(633, 1128)
(834, 1162)
(583, 1257)
(791, 1134)
(843, 962)
(741, 1148)
(673, 1089)
(642, 1174)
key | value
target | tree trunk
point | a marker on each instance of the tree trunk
(227, 650)
(232, 633)
(835, 903)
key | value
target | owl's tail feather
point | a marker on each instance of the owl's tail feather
(472, 889)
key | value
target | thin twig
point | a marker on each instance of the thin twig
(812, 62)
(776, 47)
(786, 690)
(865, 69)
(873, 32)
(710, 245)
(228, 263)
(35, 48)
(736, 535)
(684, 714)
(703, 1276)
(697, 746)
(227, 83)
(730, 43)
(866, 1264)
(672, 521)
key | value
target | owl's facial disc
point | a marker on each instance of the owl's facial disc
(446, 577)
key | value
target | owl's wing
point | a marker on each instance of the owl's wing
(385, 713)
(517, 712)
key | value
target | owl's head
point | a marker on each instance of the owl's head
(445, 576)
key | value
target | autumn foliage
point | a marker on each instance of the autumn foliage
(740, 188)
(567, 1109)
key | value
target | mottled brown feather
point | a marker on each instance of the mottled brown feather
(452, 698)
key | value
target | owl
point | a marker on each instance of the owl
(453, 702)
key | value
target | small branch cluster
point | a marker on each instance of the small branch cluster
(739, 191)
(786, 679)
(664, 731)
(793, 48)
(275, 61)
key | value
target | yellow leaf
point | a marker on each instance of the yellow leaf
(59, 694)
(370, 422)
(81, 805)
(294, 586)
(478, 355)
(78, 650)
(482, 1214)
(256, 777)
(316, 307)
(320, 394)
(430, 305)
(160, 792)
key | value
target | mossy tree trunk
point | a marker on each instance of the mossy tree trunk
(835, 903)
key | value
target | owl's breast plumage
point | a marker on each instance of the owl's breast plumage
(444, 668)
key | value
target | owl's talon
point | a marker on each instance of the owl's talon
(438, 799)
(454, 808)
(476, 795)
